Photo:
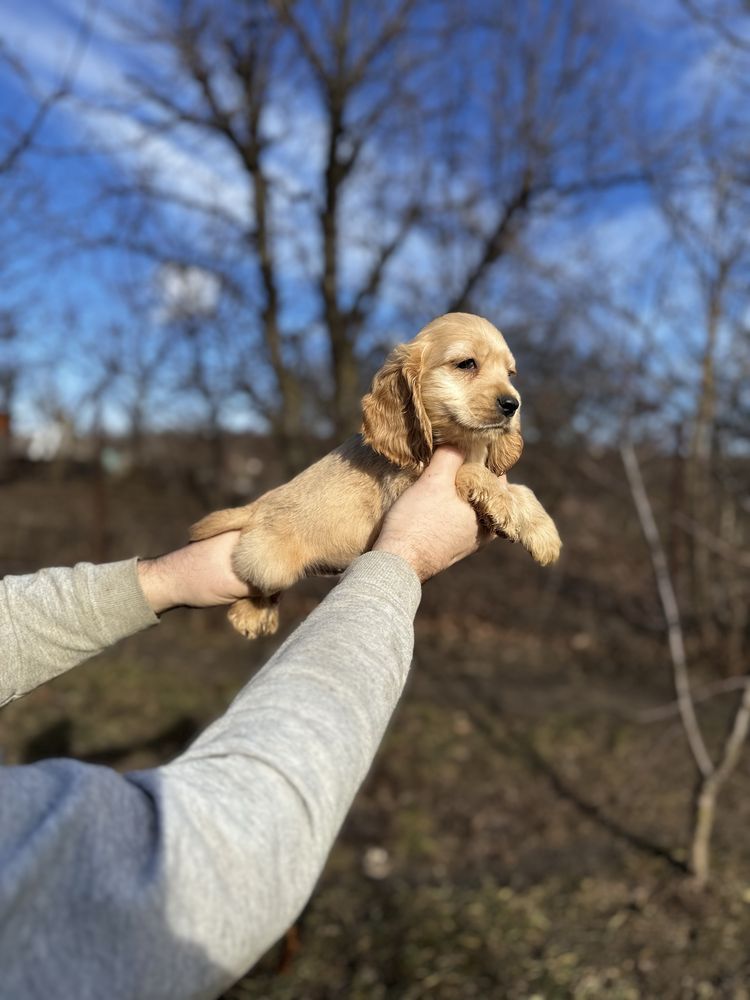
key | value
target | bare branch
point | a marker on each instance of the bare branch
(718, 23)
(25, 140)
(661, 712)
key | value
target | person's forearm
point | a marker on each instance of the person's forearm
(54, 619)
(266, 788)
(192, 870)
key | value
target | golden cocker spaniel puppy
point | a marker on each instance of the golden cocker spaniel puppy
(450, 385)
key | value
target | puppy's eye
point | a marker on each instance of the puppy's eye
(466, 365)
(512, 373)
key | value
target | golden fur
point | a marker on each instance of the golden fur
(332, 512)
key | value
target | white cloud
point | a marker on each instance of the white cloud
(186, 292)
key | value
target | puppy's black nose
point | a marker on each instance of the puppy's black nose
(507, 405)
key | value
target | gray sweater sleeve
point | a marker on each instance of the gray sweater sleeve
(171, 883)
(54, 619)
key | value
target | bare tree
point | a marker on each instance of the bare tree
(352, 160)
(23, 201)
(704, 198)
(711, 777)
(229, 92)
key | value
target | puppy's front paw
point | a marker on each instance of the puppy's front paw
(544, 542)
(534, 528)
(255, 616)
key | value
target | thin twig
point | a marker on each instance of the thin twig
(660, 712)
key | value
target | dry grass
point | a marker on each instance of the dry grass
(529, 830)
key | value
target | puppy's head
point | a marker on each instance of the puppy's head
(450, 385)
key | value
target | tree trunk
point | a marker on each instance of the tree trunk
(709, 787)
(703, 825)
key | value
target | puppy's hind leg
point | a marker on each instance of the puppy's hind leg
(267, 558)
(269, 562)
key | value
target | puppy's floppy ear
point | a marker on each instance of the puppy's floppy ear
(504, 451)
(395, 422)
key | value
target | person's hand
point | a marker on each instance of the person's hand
(430, 526)
(197, 576)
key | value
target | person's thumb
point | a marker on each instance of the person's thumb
(446, 461)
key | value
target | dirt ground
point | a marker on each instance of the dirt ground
(523, 831)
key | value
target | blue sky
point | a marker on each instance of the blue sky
(670, 70)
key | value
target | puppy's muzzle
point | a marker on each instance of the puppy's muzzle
(507, 405)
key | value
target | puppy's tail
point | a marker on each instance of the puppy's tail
(231, 519)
